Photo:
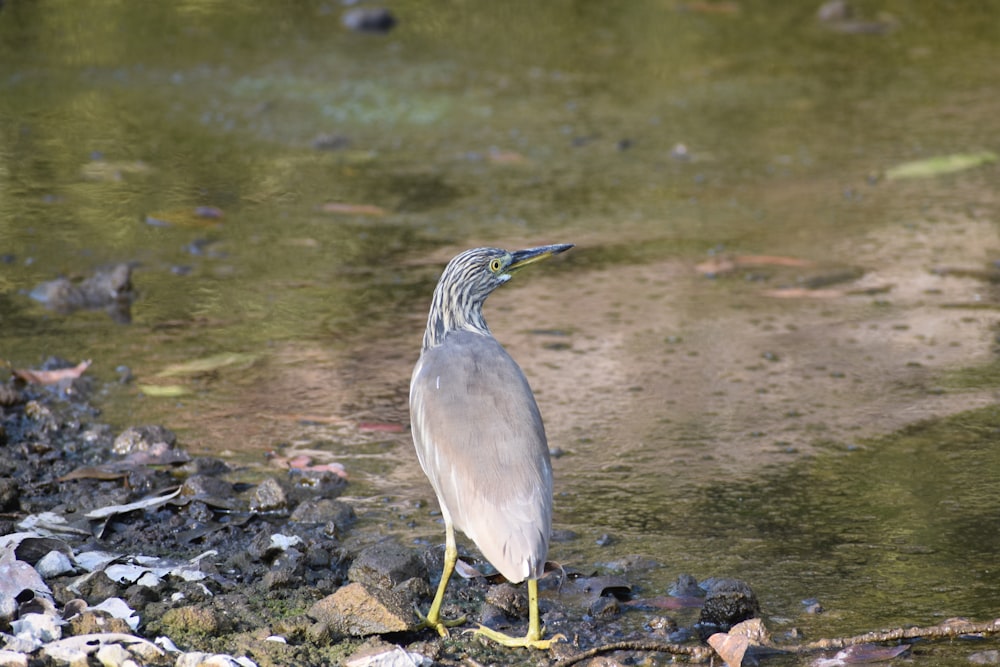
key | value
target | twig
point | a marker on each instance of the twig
(948, 629)
(694, 653)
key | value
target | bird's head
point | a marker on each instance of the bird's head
(477, 272)
(469, 278)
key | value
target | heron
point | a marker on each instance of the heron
(479, 435)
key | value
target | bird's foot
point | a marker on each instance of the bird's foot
(438, 624)
(517, 642)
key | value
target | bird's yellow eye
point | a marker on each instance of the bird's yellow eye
(495, 265)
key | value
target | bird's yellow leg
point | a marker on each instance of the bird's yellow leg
(534, 637)
(433, 617)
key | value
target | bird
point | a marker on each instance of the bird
(479, 435)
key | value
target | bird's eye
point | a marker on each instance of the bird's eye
(495, 265)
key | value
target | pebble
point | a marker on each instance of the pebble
(369, 19)
(114, 655)
(268, 497)
(53, 564)
(142, 438)
(13, 659)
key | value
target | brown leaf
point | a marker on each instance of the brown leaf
(729, 647)
(352, 209)
(54, 376)
(94, 472)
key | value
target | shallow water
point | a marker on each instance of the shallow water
(706, 423)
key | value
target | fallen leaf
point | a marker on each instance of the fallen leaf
(208, 364)
(93, 472)
(164, 390)
(938, 165)
(730, 648)
(53, 376)
(145, 503)
(352, 209)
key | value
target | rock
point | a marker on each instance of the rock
(193, 620)
(605, 608)
(686, 586)
(110, 289)
(19, 582)
(728, 602)
(39, 628)
(9, 494)
(268, 547)
(357, 610)
(308, 484)
(386, 565)
(142, 438)
(113, 655)
(369, 19)
(53, 564)
(509, 598)
(197, 659)
(268, 497)
(990, 657)
(96, 622)
(327, 511)
(395, 656)
(13, 659)
(206, 486)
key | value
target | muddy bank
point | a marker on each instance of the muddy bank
(124, 543)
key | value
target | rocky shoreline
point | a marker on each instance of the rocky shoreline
(122, 549)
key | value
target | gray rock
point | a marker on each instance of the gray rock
(324, 510)
(53, 564)
(268, 497)
(386, 565)
(142, 438)
(357, 610)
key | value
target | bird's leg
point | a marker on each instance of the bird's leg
(433, 617)
(534, 637)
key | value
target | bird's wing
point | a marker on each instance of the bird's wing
(480, 439)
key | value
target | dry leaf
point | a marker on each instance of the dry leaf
(730, 648)
(941, 164)
(164, 390)
(54, 376)
(208, 364)
(145, 503)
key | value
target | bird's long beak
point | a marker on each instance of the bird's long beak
(522, 258)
